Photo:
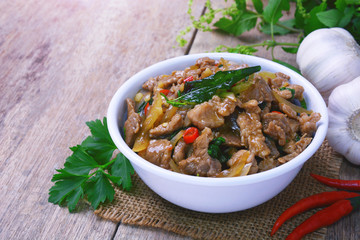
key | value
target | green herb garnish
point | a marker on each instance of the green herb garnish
(215, 151)
(241, 17)
(87, 173)
(203, 90)
(303, 103)
(141, 107)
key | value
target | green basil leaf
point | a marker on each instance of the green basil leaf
(273, 11)
(292, 50)
(340, 4)
(240, 24)
(347, 16)
(241, 4)
(258, 5)
(266, 28)
(330, 18)
(313, 23)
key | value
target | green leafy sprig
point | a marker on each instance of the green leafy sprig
(90, 170)
(215, 151)
(309, 16)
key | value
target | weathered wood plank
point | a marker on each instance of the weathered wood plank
(60, 64)
(133, 232)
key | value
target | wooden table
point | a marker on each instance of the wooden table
(60, 63)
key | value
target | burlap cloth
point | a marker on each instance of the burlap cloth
(142, 207)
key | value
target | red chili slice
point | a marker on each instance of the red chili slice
(165, 91)
(146, 109)
(190, 135)
(277, 112)
(189, 79)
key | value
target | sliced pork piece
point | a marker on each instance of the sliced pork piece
(150, 84)
(205, 115)
(205, 62)
(224, 107)
(299, 90)
(276, 125)
(282, 75)
(167, 81)
(175, 123)
(200, 163)
(294, 149)
(308, 123)
(132, 124)
(180, 151)
(260, 91)
(158, 152)
(251, 130)
(291, 113)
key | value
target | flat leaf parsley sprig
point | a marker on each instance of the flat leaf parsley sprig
(89, 171)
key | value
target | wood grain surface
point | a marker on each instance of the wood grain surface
(60, 63)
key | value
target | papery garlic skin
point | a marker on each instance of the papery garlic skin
(329, 57)
(344, 120)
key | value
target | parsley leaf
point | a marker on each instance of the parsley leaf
(100, 144)
(66, 191)
(80, 162)
(88, 171)
(99, 190)
(123, 170)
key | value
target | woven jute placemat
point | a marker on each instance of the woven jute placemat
(142, 207)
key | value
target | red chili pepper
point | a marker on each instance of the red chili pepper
(189, 79)
(277, 112)
(190, 135)
(146, 109)
(325, 217)
(317, 200)
(165, 91)
(353, 185)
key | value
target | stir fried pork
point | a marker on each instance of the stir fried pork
(251, 129)
(175, 123)
(294, 149)
(205, 115)
(308, 123)
(276, 125)
(132, 124)
(245, 129)
(158, 152)
(200, 163)
(180, 151)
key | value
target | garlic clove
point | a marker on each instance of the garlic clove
(328, 58)
(344, 120)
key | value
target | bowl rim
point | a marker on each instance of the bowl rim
(112, 121)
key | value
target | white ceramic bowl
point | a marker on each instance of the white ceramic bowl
(213, 195)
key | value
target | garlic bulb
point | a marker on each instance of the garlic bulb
(329, 57)
(344, 120)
